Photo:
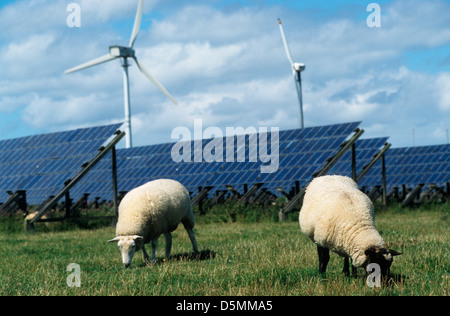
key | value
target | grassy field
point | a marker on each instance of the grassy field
(254, 255)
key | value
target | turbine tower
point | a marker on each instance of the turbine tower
(297, 68)
(126, 52)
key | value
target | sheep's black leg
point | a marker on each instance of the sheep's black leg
(324, 257)
(154, 245)
(192, 238)
(146, 257)
(346, 269)
(189, 225)
(168, 238)
(354, 271)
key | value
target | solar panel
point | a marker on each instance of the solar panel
(40, 164)
(301, 153)
(411, 166)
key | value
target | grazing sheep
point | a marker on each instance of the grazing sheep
(337, 216)
(149, 211)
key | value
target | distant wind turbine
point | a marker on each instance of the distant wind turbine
(297, 68)
(124, 52)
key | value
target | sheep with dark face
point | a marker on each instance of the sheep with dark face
(337, 216)
(149, 211)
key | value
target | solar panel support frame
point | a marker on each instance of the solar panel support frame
(374, 193)
(19, 199)
(218, 197)
(72, 182)
(354, 177)
(438, 191)
(378, 156)
(285, 194)
(233, 190)
(202, 194)
(412, 195)
(366, 168)
(331, 162)
(114, 180)
(426, 194)
(448, 189)
(250, 192)
(383, 179)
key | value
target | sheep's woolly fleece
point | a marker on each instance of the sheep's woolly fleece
(152, 209)
(336, 215)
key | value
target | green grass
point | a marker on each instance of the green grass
(242, 255)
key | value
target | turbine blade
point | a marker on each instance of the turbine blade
(152, 79)
(91, 63)
(286, 47)
(137, 23)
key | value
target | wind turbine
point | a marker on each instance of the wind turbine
(126, 52)
(297, 68)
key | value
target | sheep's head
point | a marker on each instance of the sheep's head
(128, 246)
(383, 257)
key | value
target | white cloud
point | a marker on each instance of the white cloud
(9, 104)
(42, 112)
(180, 62)
(23, 18)
(415, 23)
(205, 23)
(100, 11)
(34, 46)
(443, 86)
(26, 57)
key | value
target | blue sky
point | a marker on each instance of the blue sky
(224, 62)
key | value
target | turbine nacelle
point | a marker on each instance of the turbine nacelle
(299, 67)
(121, 51)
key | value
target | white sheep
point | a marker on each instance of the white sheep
(337, 216)
(149, 211)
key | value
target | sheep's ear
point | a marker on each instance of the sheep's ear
(116, 239)
(136, 237)
(395, 253)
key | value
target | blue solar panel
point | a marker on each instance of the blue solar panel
(411, 166)
(40, 164)
(301, 153)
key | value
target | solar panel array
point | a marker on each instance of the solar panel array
(40, 164)
(411, 166)
(301, 154)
